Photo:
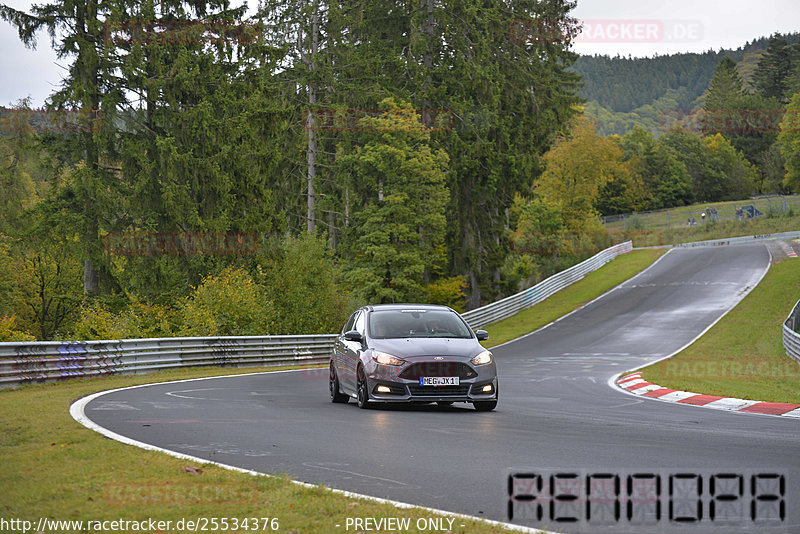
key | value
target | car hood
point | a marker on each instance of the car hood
(411, 348)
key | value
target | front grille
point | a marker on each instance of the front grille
(417, 370)
(435, 391)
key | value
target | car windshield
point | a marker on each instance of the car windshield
(387, 324)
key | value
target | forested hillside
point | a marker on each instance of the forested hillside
(623, 92)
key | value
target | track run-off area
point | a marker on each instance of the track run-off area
(557, 411)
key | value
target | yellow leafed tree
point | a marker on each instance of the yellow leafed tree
(577, 167)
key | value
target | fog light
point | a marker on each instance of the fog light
(384, 389)
(487, 388)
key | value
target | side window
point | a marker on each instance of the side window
(360, 323)
(349, 325)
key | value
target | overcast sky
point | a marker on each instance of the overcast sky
(635, 27)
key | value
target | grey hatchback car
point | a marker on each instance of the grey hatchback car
(412, 353)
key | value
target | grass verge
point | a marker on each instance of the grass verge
(53, 467)
(742, 356)
(590, 287)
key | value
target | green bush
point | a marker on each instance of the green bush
(448, 291)
(303, 281)
(146, 320)
(96, 322)
(230, 303)
(137, 320)
(519, 271)
(9, 331)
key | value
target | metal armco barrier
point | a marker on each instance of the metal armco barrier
(744, 240)
(524, 299)
(52, 360)
(791, 339)
(36, 361)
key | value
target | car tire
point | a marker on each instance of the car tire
(485, 406)
(333, 384)
(362, 390)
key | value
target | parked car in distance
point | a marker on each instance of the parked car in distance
(412, 353)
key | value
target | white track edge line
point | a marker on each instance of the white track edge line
(77, 411)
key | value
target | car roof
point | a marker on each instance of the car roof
(408, 306)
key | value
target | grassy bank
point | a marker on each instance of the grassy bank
(742, 356)
(717, 230)
(590, 287)
(674, 218)
(55, 468)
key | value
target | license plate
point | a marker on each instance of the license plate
(438, 381)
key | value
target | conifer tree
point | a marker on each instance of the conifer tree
(76, 31)
(725, 87)
(773, 69)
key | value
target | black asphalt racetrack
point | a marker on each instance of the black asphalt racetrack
(556, 410)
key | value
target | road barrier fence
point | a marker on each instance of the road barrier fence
(508, 306)
(791, 337)
(36, 361)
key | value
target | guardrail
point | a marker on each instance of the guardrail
(51, 360)
(791, 339)
(743, 240)
(508, 306)
(22, 362)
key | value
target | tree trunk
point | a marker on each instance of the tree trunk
(427, 60)
(311, 220)
(89, 73)
(475, 293)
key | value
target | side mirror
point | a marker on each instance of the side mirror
(482, 335)
(353, 335)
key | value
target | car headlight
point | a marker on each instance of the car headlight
(483, 358)
(387, 359)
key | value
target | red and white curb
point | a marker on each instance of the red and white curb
(634, 383)
(788, 249)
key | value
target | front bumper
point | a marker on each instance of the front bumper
(409, 389)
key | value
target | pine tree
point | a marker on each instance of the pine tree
(789, 139)
(76, 30)
(723, 92)
(198, 151)
(793, 81)
(401, 227)
(725, 87)
(510, 97)
(773, 69)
